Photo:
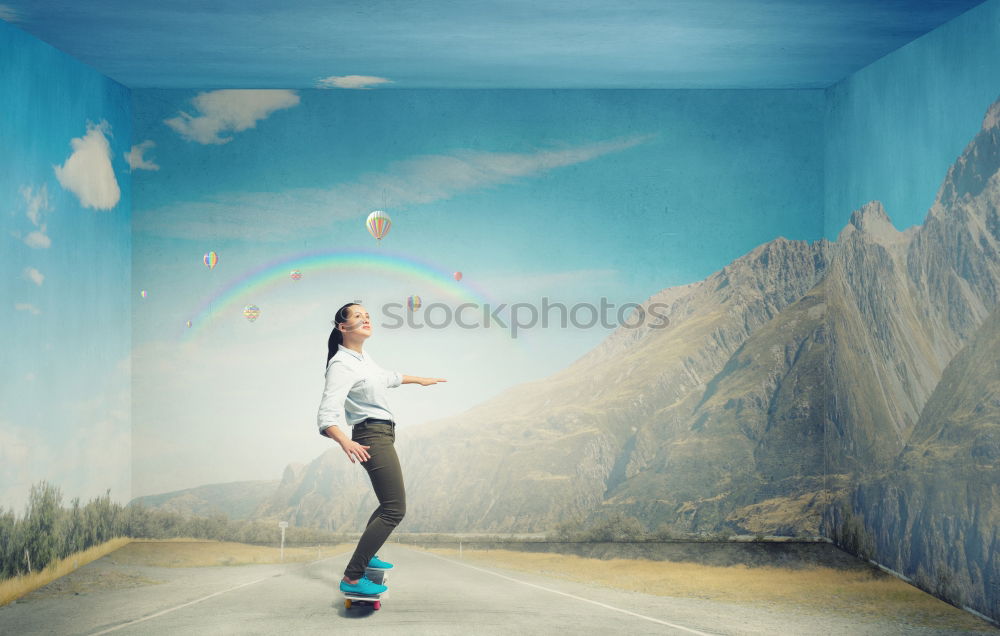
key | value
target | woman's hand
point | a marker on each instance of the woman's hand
(416, 379)
(353, 449)
(429, 381)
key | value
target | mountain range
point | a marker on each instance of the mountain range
(236, 500)
(845, 389)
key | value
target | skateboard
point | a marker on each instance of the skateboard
(360, 600)
(375, 575)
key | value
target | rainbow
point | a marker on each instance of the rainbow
(230, 298)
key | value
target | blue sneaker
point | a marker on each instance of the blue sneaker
(364, 587)
(379, 563)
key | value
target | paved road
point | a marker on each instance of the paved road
(428, 595)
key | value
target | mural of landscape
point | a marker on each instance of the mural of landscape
(845, 389)
(841, 388)
(825, 367)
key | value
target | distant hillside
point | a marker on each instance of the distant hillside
(236, 500)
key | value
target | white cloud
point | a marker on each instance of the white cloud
(9, 14)
(38, 202)
(415, 181)
(28, 307)
(351, 81)
(88, 173)
(34, 275)
(38, 239)
(135, 157)
(229, 111)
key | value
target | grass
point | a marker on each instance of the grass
(194, 553)
(859, 592)
(15, 588)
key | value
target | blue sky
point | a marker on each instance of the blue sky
(705, 175)
(65, 259)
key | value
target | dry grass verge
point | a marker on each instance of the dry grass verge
(15, 588)
(193, 553)
(820, 589)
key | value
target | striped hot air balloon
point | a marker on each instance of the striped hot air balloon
(413, 302)
(211, 260)
(379, 224)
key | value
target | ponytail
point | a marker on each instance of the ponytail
(336, 339)
(336, 336)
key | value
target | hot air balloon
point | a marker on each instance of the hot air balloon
(296, 274)
(457, 275)
(379, 224)
(144, 293)
(251, 312)
(188, 323)
(413, 302)
(211, 260)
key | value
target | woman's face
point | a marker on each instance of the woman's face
(358, 321)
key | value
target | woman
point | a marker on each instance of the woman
(355, 399)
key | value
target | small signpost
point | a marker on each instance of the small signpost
(282, 525)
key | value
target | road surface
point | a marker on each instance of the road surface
(428, 594)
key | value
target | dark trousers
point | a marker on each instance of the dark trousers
(387, 480)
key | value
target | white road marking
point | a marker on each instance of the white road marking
(579, 598)
(167, 611)
(204, 598)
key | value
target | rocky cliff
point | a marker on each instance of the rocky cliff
(901, 304)
(914, 377)
(934, 514)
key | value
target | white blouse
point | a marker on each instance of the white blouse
(355, 390)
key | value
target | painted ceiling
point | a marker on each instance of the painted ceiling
(479, 43)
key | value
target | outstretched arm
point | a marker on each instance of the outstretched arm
(416, 379)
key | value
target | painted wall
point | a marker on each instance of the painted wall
(912, 441)
(66, 262)
(573, 196)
